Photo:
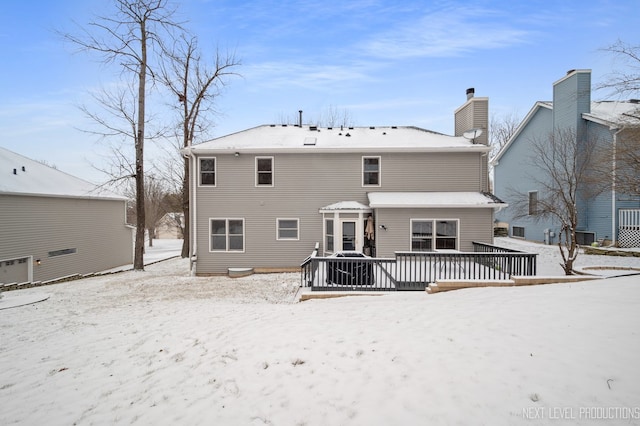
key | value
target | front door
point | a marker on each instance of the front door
(349, 235)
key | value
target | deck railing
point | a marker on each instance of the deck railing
(414, 270)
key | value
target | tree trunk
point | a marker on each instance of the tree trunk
(138, 260)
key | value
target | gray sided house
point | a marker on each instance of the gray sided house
(262, 198)
(611, 216)
(54, 225)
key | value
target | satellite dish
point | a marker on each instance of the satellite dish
(472, 134)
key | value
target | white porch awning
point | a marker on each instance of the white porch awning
(467, 200)
(346, 206)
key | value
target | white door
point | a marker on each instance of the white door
(349, 235)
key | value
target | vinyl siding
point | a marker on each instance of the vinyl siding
(571, 98)
(474, 225)
(474, 114)
(35, 226)
(515, 172)
(303, 184)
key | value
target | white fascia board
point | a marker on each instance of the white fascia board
(71, 196)
(311, 150)
(521, 127)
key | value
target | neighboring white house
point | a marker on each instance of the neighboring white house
(53, 225)
(171, 225)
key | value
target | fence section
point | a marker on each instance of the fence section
(414, 270)
(629, 228)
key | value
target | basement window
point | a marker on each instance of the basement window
(517, 231)
(62, 252)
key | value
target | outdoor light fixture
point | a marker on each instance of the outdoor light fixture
(38, 261)
(383, 227)
(237, 154)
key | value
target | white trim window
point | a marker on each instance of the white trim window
(264, 171)
(226, 235)
(287, 229)
(371, 171)
(445, 237)
(207, 171)
(328, 243)
(533, 203)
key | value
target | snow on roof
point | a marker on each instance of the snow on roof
(346, 205)
(290, 138)
(614, 112)
(433, 200)
(608, 113)
(21, 175)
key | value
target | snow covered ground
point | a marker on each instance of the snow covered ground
(161, 347)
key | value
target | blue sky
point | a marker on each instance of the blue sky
(384, 62)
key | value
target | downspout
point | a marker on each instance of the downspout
(192, 211)
(193, 255)
(614, 231)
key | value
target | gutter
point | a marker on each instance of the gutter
(337, 150)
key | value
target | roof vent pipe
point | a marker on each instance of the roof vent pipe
(300, 112)
(15, 171)
(470, 92)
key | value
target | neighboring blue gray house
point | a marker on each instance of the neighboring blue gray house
(611, 217)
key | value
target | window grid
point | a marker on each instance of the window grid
(370, 171)
(517, 231)
(423, 237)
(329, 235)
(264, 171)
(287, 229)
(207, 171)
(227, 235)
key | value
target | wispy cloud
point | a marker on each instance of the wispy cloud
(306, 74)
(447, 32)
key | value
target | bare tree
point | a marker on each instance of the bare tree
(563, 165)
(155, 205)
(626, 79)
(627, 161)
(127, 38)
(332, 117)
(335, 117)
(195, 87)
(501, 129)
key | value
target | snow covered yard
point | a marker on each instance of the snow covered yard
(161, 347)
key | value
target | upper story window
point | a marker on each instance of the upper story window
(208, 171)
(533, 203)
(370, 171)
(264, 171)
